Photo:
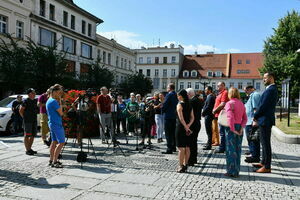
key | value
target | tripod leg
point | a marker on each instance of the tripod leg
(90, 141)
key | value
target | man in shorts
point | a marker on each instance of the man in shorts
(55, 113)
(28, 112)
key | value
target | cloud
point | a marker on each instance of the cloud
(128, 39)
(131, 40)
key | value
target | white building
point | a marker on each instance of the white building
(71, 29)
(160, 64)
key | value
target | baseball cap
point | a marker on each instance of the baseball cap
(30, 90)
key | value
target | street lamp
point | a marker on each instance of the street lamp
(204, 81)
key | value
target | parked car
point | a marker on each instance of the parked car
(6, 121)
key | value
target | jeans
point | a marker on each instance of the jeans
(254, 146)
(265, 139)
(222, 146)
(123, 122)
(106, 121)
(18, 122)
(233, 150)
(170, 125)
(159, 121)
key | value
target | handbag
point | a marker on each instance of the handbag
(222, 118)
(254, 134)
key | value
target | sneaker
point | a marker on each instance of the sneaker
(50, 163)
(30, 153)
(252, 160)
(57, 164)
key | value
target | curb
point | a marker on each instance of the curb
(282, 137)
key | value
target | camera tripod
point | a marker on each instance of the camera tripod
(113, 140)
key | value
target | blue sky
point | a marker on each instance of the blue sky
(198, 25)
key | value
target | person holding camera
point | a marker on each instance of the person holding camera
(185, 120)
(55, 113)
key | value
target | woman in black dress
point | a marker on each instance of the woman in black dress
(185, 120)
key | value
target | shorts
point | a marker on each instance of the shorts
(30, 129)
(57, 133)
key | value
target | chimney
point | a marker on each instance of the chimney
(172, 45)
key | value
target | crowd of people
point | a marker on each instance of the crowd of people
(175, 117)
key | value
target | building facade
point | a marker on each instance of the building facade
(234, 69)
(161, 64)
(69, 28)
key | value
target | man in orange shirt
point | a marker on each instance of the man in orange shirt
(220, 103)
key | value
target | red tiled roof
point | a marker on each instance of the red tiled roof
(256, 62)
(204, 63)
(219, 62)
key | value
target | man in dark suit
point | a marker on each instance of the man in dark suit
(197, 105)
(169, 108)
(208, 116)
(264, 117)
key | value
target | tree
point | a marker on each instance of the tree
(137, 83)
(13, 64)
(97, 75)
(280, 51)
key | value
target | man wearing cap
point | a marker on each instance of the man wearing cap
(28, 112)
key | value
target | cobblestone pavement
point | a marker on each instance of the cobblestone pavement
(147, 174)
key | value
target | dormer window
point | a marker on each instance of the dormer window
(210, 74)
(185, 73)
(194, 73)
(218, 74)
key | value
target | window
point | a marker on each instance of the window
(148, 72)
(20, 30)
(165, 60)
(185, 74)
(173, 59)
(239, 61)
(164, 85)
(129, 64)
(65, 22)
(47, 38)
(240, 85)
(210, 74)
(247, 71)
(141, 60)
(156, 72)
(213, 85)
(122, 62)
(189, 85)
(104, 57)
(125, 63)
(84, 68)
(173, 71)
(90, 30)
(249, 83)
(117, 61)
(140, 71)
(257, 86)
(117, 78)
(69, 45)
(231, 84)
(109, 58)
(148, 60)
(155, 83)
(165, 73)
(122, 78)
(218, 74)
(156, 60)
(248, 61)
(86, 50)
(3, 24)
(83, 26)
(181, 85)
(197, 85)
(73, 22)
(42, 7)
(98, 54)
(52, 12)
(194, 74)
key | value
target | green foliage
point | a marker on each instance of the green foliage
(96, 76)
(137, 83)
(280, 51)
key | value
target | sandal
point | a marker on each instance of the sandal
(57, 164)
(180, 169)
